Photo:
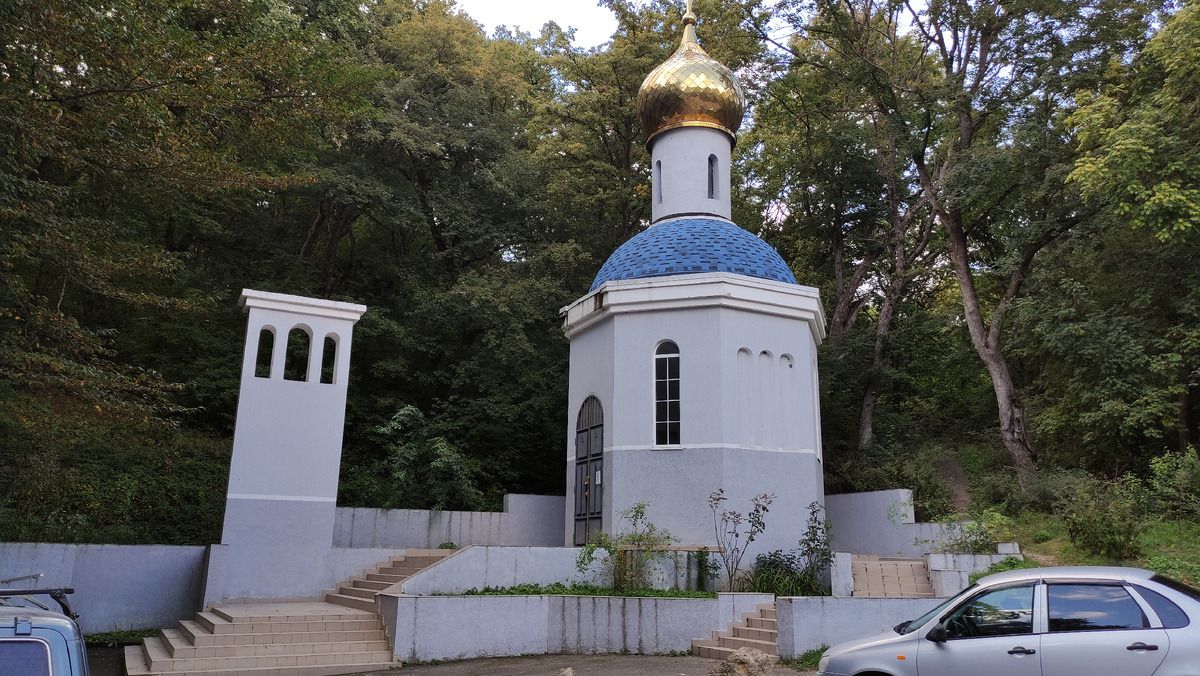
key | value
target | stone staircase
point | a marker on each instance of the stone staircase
(756, 630)
(360, 591)
(892, 578)
(342, 634)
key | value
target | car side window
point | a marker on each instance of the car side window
(1092, 607)
(999, 612)
(1172, 616)
(24, 658)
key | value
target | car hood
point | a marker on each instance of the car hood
(867, 640)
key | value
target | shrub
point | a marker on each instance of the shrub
(1050, 490)
(1106, 520)
(630, 553)
(1175, 481)
(1005, 564)
(978, 536)
(801, 572)
(728, 527)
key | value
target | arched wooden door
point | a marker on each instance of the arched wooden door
(589, 470)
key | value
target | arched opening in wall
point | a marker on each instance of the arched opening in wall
(329, 360)
(658, 190)
(266, 350)
(589, 470)
(768, 397)
(745, 392)
(712, 177)
(790, 401)
(295, 364)
(666, 394)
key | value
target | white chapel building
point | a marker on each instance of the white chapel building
(693, 355)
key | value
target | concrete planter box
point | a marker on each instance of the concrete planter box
(464, 627)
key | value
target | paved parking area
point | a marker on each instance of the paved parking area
(583, 665)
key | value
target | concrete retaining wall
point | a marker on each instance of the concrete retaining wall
(436, 627)
(480, 567)
(807, 622)
(117, 587)
(527, 520)
(879, 523)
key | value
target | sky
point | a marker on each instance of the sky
(595, 24)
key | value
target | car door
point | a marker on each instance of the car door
(991, 634)
(1098, 629)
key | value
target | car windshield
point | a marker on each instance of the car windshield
(913, 625)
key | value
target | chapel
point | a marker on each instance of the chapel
(693, 355)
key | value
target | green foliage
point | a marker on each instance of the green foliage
(802, 572)
(582, 589)
(113, 639)
(1141, 133)
(1175, 485)
(707, 568)
(727, 525)
(1105, 520)
(1171, 566)
(808, 660)
(70, 475)
(447, 545)
(630, 554)
(1006, 564)
(977, 536)
(884, 466)
(426, 471)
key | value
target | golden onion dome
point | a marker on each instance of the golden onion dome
(690, 89)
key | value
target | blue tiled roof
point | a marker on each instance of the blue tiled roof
(689, 245)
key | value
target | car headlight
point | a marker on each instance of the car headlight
(822, 664)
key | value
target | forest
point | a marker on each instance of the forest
(999, 201)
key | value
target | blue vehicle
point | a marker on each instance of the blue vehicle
(37, 639)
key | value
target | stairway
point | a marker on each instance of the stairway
(360, 591)
(756, 630)
(892, 578)
(342, 634)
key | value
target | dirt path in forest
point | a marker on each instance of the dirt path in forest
(952, 473)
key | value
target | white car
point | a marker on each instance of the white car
(1085, 621)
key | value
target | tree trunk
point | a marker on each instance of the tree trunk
(883, 326)
(986, 341)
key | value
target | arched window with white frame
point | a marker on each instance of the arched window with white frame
(666, 394)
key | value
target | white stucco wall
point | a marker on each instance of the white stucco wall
(807, 622)
(527, 520)
(679, 184)
(433, 627)
(879, 523)
(750, 426)
(117, 587)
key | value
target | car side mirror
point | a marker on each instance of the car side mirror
(937, 634)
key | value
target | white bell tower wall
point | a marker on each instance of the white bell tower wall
(690, 173)
(287, 446)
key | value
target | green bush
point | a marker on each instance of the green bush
(978, 536)
(1006, 564)
(1105, 520)
(802, 572)
(1049, 490)
(1179, 569)
(630, 553)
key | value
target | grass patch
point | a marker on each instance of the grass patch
(112, 639)
(807, 661)
(577, 589)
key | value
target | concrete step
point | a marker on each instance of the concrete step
(383, 577)
(135, 661)
(712, 652)
(195, 634)
(760, 623)
(258, 613)
(372, 584)
(735, 642)
(756, 634)
(351, 601)
(347, 590)
(159, 660)
(179, 648)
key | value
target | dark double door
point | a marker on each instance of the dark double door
(589, 470)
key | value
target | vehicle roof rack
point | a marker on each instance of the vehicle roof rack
(59, 595)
